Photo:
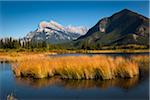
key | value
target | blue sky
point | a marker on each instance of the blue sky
(19, 18)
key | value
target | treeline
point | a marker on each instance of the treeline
(98, 46)
(10, 43)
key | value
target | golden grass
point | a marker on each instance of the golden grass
(113, 51)
(72, 67)
(143, 64)
(142, 60)
(18, 56)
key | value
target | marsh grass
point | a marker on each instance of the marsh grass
(143, 64)
(143, 61)
(81, 67)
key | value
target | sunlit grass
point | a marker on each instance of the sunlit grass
(81, 67)
(15, 56)
(143, 63)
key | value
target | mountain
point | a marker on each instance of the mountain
(122, 28)
(52, 32)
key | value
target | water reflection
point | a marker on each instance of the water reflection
(122, 83)
(37, 83)
(79, 84)
(56, 88)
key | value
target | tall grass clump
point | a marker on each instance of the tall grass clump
(33, 67)
(125, 68)
(72, 67)
(143, 63)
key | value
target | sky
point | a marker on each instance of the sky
(17, 18)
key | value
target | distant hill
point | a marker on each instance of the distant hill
(122, 28)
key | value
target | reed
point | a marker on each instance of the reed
(143, 63)
(71, 67)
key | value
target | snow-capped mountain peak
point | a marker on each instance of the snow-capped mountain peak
(56, 25)
(51, 25)
(54, 32)
(78, 29)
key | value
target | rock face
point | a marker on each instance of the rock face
(122, 28)
(52, 32)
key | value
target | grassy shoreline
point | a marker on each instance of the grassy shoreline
(114, 51)
(11, 52)
(12, 55)
(76, 51)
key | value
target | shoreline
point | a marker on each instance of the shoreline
(77, 51)
(11, 56)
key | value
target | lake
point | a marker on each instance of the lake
(136, 88)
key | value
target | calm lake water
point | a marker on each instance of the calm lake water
(136, 88)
